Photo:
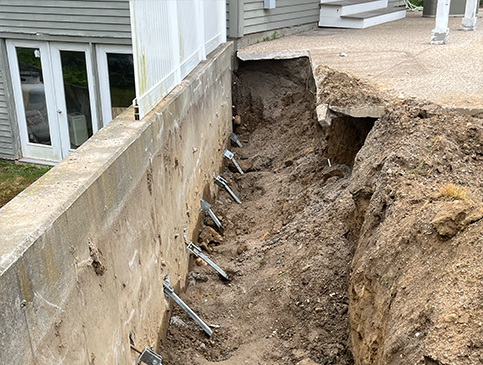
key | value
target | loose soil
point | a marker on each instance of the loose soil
(285, 244)
(339, 263)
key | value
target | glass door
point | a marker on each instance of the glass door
(74, 92)
(34, 100)
(116, 80)
(54, 96)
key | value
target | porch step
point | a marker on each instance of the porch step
(347, 18)
(339, 8)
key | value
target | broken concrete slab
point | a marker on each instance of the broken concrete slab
(361, 111)
(278, 55)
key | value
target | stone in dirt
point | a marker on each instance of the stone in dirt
(200, 262)
(242, 248)
(204, 246)
(455, 216)
(209, 235)
(309, 150)
(237, 120)
(245, 165)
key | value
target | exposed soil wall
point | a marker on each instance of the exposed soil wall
(415, 290)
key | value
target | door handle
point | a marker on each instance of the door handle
(59, 111)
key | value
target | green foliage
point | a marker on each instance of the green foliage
(15, 178)
(270, 38)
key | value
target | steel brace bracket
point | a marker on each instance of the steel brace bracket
(149, 357)
(169, 291)
(229, 155)
(206, 207)
(235, 139)
(198, 253)
(223, 183)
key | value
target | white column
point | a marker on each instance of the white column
(440, 33)
(469, 21)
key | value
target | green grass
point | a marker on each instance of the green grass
(15, 178)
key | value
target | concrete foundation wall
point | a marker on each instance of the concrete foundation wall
(84, 250)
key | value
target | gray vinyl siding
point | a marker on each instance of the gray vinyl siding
(94, 21)
(288, 13)
(7, 149)
(395, 3)
(228, 18)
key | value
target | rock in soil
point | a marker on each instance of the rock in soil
(209, 235)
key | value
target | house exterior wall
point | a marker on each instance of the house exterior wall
(248, 16)
(101, 21)
(8, 138)
(288, 13)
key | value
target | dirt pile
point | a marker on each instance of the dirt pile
(415, 289)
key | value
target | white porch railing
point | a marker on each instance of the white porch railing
(170, 37)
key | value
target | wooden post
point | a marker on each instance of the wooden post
(469, 21)
(440, 33)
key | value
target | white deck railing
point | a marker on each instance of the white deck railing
(170, 37)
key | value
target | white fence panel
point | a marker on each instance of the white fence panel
(215, 24)
(170, 38)
(191, 46)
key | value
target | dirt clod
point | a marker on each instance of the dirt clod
(242, 248)
(455, 216)
(209, 235)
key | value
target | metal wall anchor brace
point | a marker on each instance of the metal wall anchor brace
(169, 291)
(149, 357)
(229, 155)
(235, 139)
(206, 207)
(197, 252)
(223, 183)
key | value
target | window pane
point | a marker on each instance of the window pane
(33, 93)
(76, 89)
(121, 81)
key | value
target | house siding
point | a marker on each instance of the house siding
(395, 3)
(7, 149)
(288, 13)
(89, 21)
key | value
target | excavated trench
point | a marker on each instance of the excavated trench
(289, 245)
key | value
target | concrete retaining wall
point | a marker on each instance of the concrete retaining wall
(84, 250)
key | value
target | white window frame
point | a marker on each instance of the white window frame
(103, 72)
